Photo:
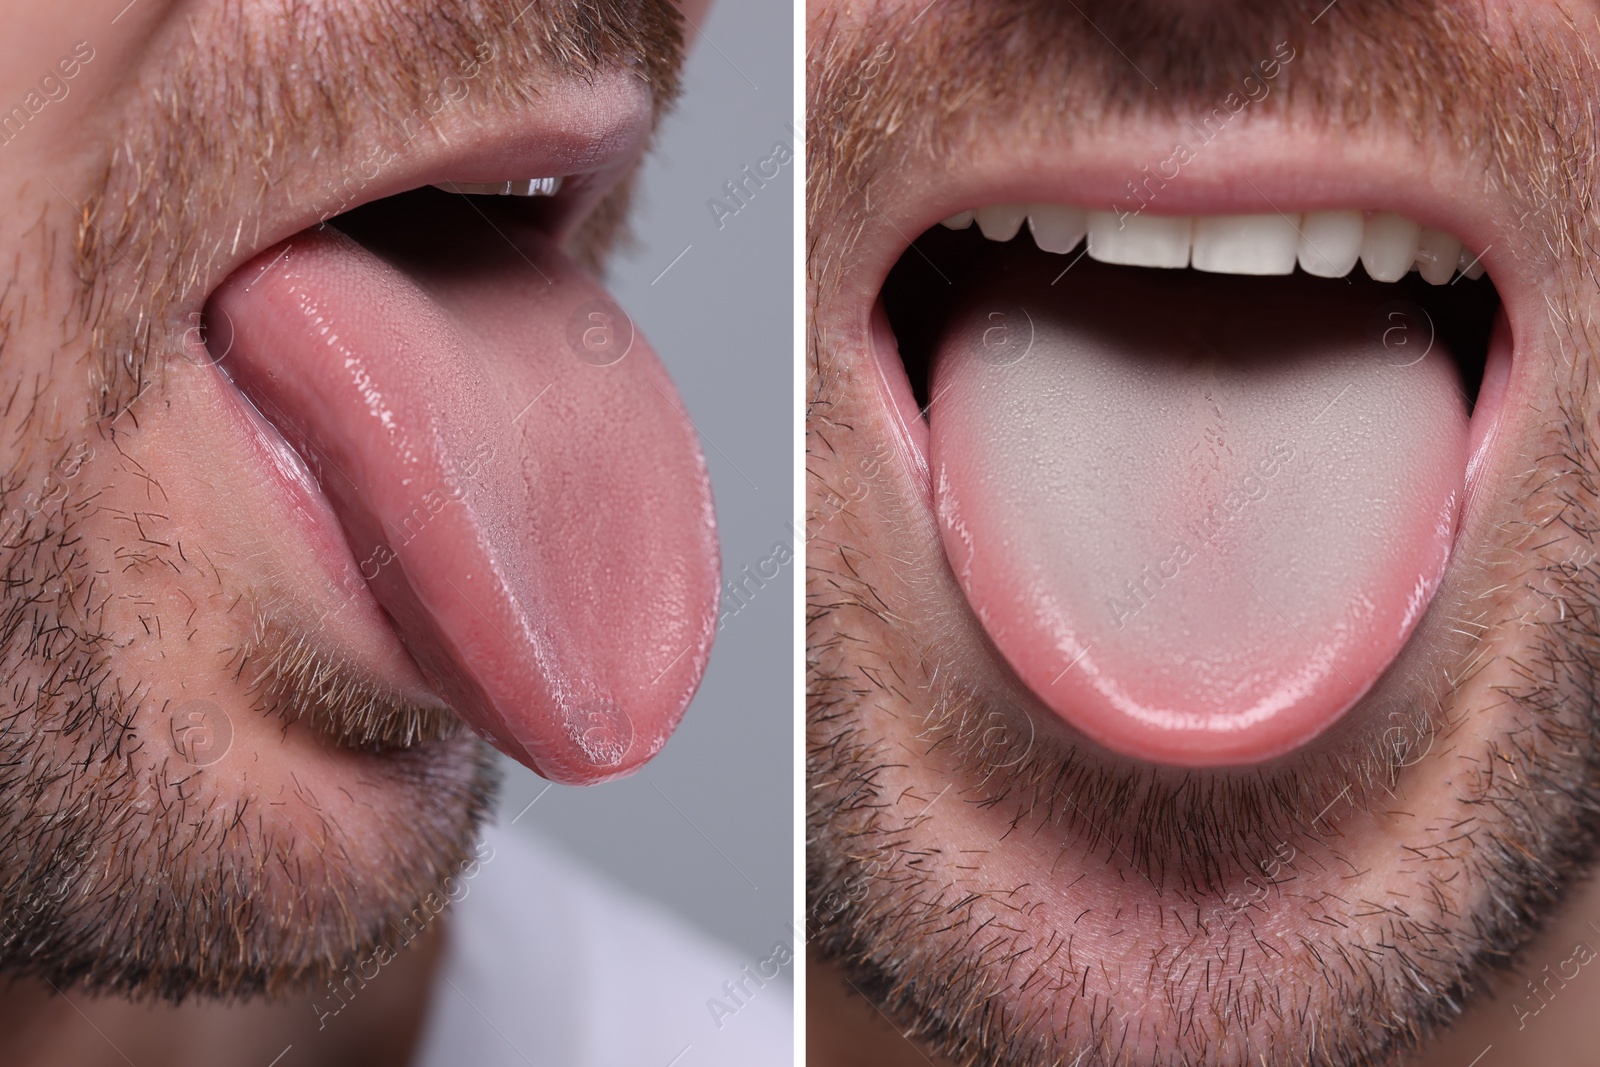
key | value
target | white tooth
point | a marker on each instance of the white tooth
(1000, 222)
(1389, 246)
(523, 187)
(1437, 254)
(1057, 227)
(535, 187)
(1139, 240)
(1245, 244)
(1330, 242)
(1469, 264)
(959, 221)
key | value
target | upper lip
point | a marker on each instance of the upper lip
(1271, 166)
(589, 132)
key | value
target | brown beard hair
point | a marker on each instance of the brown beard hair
(877, 907)
(118, 871)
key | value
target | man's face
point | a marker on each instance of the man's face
(280, 501)
(1201, 664)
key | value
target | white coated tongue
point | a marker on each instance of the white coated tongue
(1199, 515)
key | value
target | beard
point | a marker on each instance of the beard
(1005, 897)
(151, 844)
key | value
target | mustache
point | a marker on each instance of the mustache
(907, 83)
(249, 95)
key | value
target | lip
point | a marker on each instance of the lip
(350, 610)
(1271, 166)
(590, 133)
(1262, 169)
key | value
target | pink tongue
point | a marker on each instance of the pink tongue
(1198, 515)
(537, 525)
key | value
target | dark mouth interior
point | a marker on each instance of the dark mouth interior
(438, 211)
(941, 263)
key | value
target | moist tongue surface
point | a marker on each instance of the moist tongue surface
(511, 467)
(1199, 515)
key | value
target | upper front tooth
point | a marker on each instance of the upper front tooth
(1057, 227)
(1245, 244)
(536, 187)
(522, 187)
(1139, 240)
(1330, 242)
(1437, 253)
(1389, 246)
(1326, 244)
(1000, 222)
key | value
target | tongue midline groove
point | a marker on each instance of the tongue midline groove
(917, 293)
(1327, 244)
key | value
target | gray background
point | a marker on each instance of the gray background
(705, 829)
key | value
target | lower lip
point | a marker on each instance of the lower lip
(1488, 412)
(301, 502)
(900, 401)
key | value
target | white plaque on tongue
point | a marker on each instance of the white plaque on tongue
(1198, 516)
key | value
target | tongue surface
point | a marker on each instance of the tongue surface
(1199, 515)
(512, 470)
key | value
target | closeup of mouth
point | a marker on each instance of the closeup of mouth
(1198, 539)
(1178, 524)
(507, 498)
(1198, 476)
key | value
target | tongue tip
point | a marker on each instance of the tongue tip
(1197, 740)
(1199, 718)
(595, 741)
(610, 731)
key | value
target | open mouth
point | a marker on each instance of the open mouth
(495, 466)
(1199, 477)
(1178, 574)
